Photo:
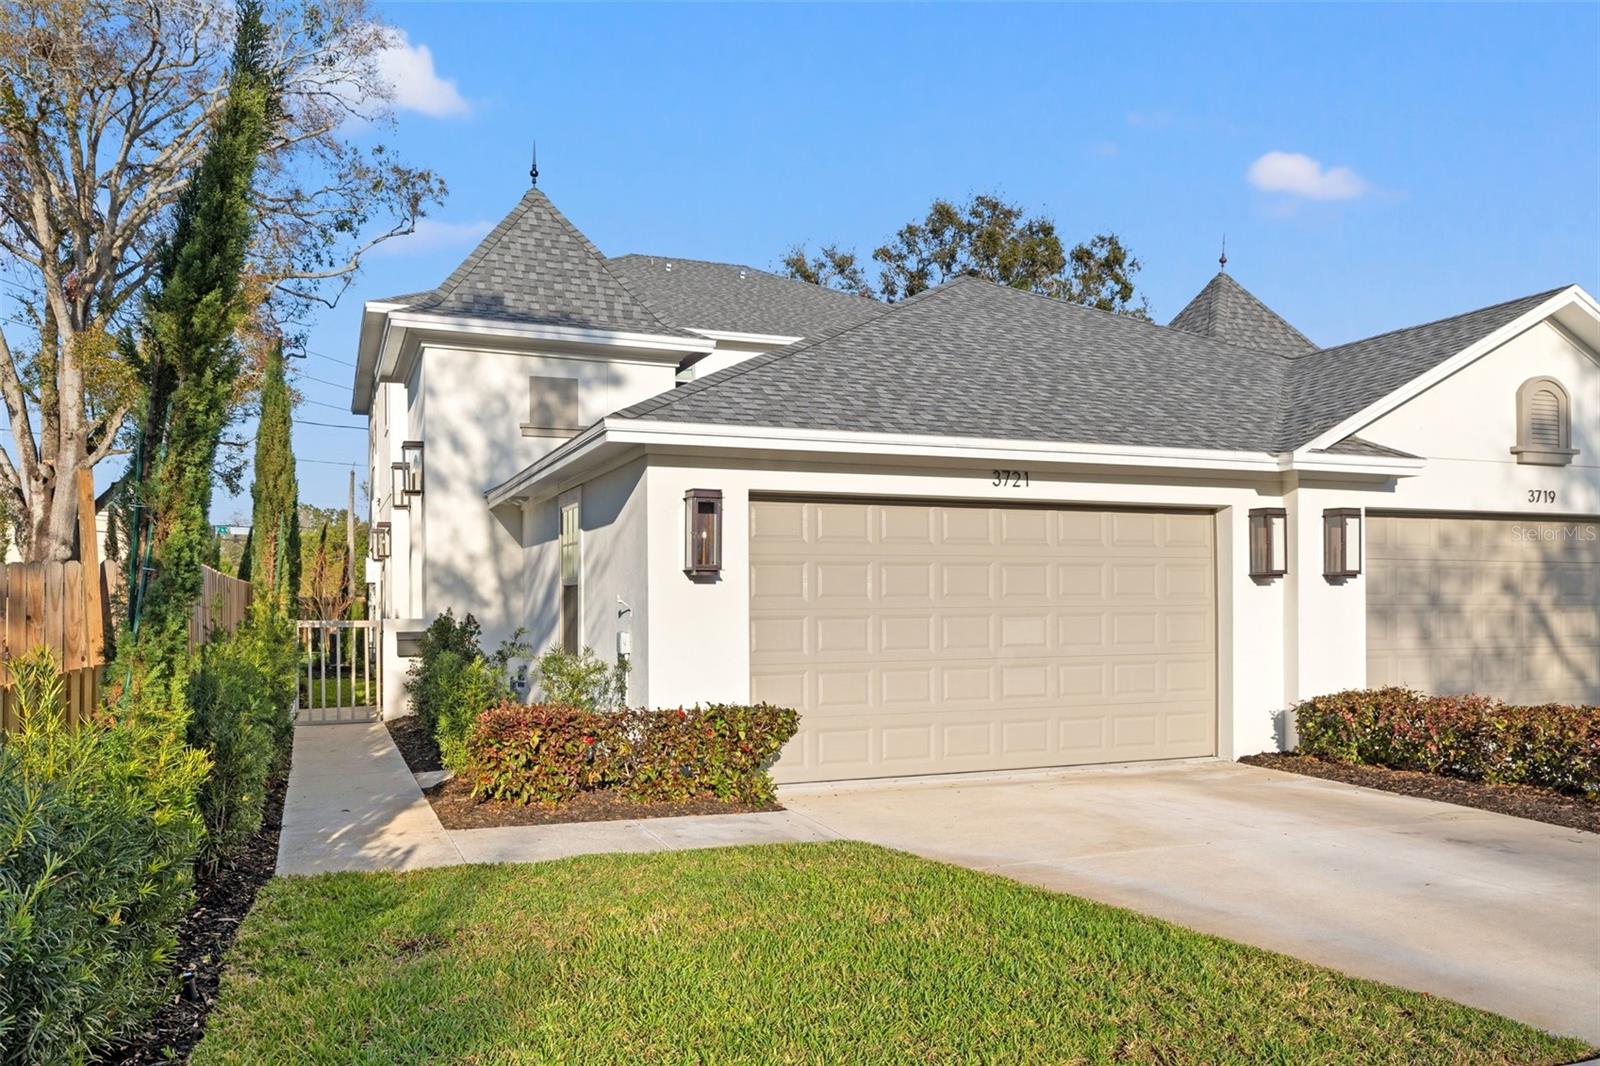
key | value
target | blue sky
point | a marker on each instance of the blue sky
(1372, 166)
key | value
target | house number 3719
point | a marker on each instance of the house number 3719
(1016, 479)
(1541, 495)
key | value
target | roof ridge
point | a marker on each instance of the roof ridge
(480, 252)
(1284, 322)
(741, 266)
(694, 388)
(605, 264)
(1129, 318)
(1444, 318)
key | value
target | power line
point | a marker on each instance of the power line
(329, 358)
(330, 425)
(325, 381)
(324, 403)
(330, 462)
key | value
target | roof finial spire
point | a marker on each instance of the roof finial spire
(1222, 260)
(533, 170)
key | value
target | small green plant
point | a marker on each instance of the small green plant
(584, 680)
(452, 681)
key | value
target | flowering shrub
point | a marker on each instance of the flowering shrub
(721, 750)
(1472, 737)
(547, 753)
(537, 753)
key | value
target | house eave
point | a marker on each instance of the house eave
(539, 478)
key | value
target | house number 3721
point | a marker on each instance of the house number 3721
(1016, 479)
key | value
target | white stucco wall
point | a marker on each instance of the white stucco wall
(1466, 426)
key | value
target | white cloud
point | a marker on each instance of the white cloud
(417, 86)
(432, 235)
(1300, 175)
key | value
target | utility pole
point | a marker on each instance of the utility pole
(350, 540)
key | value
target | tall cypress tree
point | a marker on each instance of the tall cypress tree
(190, 338)
(274, 550)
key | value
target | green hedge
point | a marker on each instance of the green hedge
(1472, 737)
(548, 754)
(451, 682)
(99, 827)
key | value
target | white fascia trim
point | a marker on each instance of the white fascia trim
(1572, 295)
(526, 331)
(1386, 466)
(773, 340)
(629, 431)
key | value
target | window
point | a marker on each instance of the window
(552, 407)
(571, 568)
(1544, 423)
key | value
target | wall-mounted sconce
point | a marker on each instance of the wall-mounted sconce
(411, 456)
(378, 548)
(702, 547)
(1341, 542)
(1269, 542)
(397, 487)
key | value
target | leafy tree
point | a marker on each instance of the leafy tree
(325, 590)
(832, 269)
(190, 357)
(106, 108)
(273, 555)
(989, 238)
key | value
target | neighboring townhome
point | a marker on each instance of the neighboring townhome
(980, 529)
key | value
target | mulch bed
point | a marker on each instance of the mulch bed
(415, 743)
(221, 901)
(456, 807)
(1521, 801)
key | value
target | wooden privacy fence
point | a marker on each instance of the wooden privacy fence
(52, 605)
(223, 603)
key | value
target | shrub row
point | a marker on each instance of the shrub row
(1471, 737)
(548, 754)
(451, 682)
(102, 825)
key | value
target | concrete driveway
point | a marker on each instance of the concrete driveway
(1498, 912)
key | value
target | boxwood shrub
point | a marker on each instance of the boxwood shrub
(548, 753)
(1473, 737)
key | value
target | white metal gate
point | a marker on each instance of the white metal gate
(340, 673)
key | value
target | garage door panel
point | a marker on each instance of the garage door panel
(1501, 607)
(920, 639)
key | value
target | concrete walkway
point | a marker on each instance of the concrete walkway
(1497, 912)
(354, 805)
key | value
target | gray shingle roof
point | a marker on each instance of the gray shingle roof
(694, 294)
(536, 267)
(1226, 311)
(1354, 445)
(973, 359)
(1335, 383)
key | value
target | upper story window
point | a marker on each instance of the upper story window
(1544, 423)
(552, 407)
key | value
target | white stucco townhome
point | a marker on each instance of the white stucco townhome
(980, 529)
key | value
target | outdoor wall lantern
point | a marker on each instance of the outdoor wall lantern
(702, 547)
(397, 486)
(1341, 542)
(378, 550)
(411, 454)
(1269, 542)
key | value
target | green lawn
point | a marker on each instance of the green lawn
(804, 953)
(336, 691)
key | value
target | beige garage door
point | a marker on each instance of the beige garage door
(1499, 606)
(926, 639)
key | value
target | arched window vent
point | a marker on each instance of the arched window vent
(1544, 423)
